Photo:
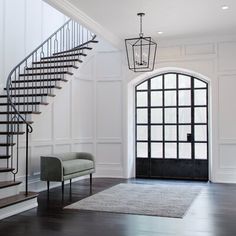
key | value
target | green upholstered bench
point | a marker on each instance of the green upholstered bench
(66, 166)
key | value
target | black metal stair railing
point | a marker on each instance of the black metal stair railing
(35, 77)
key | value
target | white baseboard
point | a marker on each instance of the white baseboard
(225, 177)
(18, 208)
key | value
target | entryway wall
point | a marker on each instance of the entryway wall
(97, 119)
(210, 58)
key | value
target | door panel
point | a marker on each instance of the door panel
(172, 127)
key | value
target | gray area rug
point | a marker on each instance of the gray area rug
(141, 199)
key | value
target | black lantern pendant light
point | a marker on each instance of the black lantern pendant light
(141, 52)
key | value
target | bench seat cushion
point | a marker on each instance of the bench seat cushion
(77, 165)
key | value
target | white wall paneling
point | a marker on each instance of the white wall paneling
(110, 69)
(83, 147)
(214, 59)
(13, 54)
(62, 148)
(227, 56)
(24, 24)
(171, 52)
(227, 111)
(109, 109)
(2, 41)
(93, 110)
(43, 132)
(82, 109)
(62, 128)
(200, 49)
(109, 153)
(227, 156)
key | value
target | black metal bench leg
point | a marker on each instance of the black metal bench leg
(48, 187)
(62, 188)
(91, 182)
(70, 184)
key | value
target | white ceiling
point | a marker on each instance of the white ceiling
(176, 18)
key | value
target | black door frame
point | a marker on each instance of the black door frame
(154, 165)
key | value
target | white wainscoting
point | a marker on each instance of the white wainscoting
(214, 58)
(90, 112)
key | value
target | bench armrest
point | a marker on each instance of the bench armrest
(51, 168)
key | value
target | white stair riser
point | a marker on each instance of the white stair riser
(3, 151)
(28, 99)
(28, 117)
(9, 191)
(3, 139)
(33, 84)
(33, 90)
(50, 70)
(22, 108)
(4, 127)
(55, 64)
(17, 208)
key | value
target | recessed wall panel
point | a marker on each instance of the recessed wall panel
(62, 148)
(82, 109)
(43, 127)
(200, 49)
(83, 147)
(109, 109)
(62, 114)
(227, 156)
(109, 153)
(227, 111)
(227, 56)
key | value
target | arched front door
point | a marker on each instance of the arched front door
(172, 127)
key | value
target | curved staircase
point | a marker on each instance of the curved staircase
(28, 86)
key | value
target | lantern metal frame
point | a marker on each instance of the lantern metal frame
(136, 62)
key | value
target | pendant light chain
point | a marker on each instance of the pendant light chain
(141, 28)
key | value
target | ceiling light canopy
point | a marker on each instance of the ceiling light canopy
(141, 51)
(225, 7)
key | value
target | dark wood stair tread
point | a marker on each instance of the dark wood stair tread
(2, 169)
(24, 103)
(6, 184)
(21, 197)
(15, 122)
(52, 67)
(46, 73)
(10, 133)
(4, 157)
(73, 50)
(6, 144)
(34, 87)
(38, 80)
(21, 112)
(30, 95)
(64, 55)
(57, 61)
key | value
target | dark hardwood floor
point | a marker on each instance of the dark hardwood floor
(213, 213)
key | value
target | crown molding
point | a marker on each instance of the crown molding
(71, 11)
